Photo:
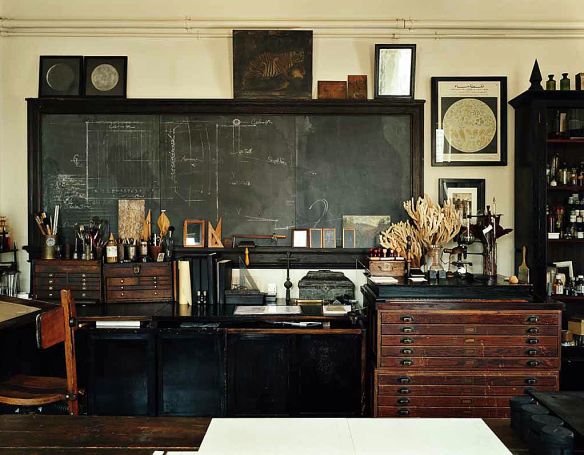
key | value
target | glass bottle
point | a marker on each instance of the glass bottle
(564, 82)
(550, 83)
(168, 244)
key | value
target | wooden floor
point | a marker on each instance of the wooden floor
(36, 434)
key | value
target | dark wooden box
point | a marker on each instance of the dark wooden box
(138, 282)
(325, 285)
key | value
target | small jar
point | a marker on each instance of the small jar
(564, 82)
(550, 83)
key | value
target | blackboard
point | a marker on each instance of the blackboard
(262, 173)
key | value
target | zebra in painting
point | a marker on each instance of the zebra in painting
(270, 66)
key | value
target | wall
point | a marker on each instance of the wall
(173, 62)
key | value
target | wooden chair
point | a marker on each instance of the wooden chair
(54, 326)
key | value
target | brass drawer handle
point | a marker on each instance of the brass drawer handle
(404, 391)
(533, 330)
(51, 281)
(84, 295)
(402, 401)
(407, 319)
(407, 341)
(407, 351)
(532, 319)
(407, 329)
(531, 381)
(122, 281)
(403, 412)
(404, 380)
(407, 363)
(531, 352)
(83, 275)
(50, 288)
(532, 341)
(533, 363)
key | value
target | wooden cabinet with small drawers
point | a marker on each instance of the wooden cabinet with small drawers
(461, 358)
(138, 282)
(83, 278)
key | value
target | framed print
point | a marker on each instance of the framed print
(349, 237)
(467, 195)
(315, 237)
(272, 64)
(106, 76)
(469, 121)
(300, 238)
(194, 233)
(395, 68)
(60, 75)
(329, 238)
(367, 228)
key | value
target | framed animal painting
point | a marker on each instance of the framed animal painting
(272, 64)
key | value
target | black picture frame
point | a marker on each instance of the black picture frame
(378, 91)
(112, 77)
(444, 185)
(60, 75)
(470, 88)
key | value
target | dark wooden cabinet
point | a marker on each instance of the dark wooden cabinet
(138, 282)
(83, 278)
(191, 378)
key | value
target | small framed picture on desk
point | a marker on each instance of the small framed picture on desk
(300, 238)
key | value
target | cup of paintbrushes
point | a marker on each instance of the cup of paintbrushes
(48, 246)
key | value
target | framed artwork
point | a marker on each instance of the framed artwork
(60, 75)
(300, 238)
(395, 69)
(194, 233)
(106, 76)
(469, 121)
(331, 90)
(349, 237)
(357, 87)
(329, 238)
(367, 228)
(272, 64)
(468, 195)
(315, 238)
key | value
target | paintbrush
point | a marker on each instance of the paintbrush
(523, 275)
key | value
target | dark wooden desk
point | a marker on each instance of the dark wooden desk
(22, 319)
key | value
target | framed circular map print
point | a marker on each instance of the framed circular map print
(60, 75)
(469, 121)
(105, 76)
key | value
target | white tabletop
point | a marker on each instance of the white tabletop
(350, 437)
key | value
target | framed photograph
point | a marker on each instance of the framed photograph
(468, 195)
(272, 64)
(60, 75)
(194, 233)
(349, 237)
(331, 90)
(300, 238)
(160, 257)
(367, 228)
(395, 69)
(469, 121)
(329, 238)
(357, 87)
(106, 76)
(315, 238)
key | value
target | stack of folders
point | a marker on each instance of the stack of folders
(210, 278)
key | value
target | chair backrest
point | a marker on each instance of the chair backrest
(59, 326)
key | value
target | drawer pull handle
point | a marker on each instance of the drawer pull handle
(407, 318)
(403, 412)
(50, 288)
(404, 380)
(407, 329)
(50, 274)
(531, 381)
(406, 341)
(531, 352)
(533, 363)
(83, 275)
(122, 294)
(532, 341)
(51, 281)
(50, 295)
(83, 295)
(402, 401)
(122, 281)
(533, 330)
(407, 351)
(407, 362)
(532, 319)
(404, 390)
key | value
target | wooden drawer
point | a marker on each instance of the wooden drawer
(45, 283)
(86, 294)
(459, 340)
(122, 281)
(462, 363)
(448, 402)
(524, 378)
(469, 317)
(455, 390)
(468, 329)
(83, 278)
(476, 351)
(395, 411)
(139, 295)
(67, 266)
(148, 269)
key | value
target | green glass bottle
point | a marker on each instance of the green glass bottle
(564, 82)
(550, 83)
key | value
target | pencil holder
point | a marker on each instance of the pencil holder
(49, 243)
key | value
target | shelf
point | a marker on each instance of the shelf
(568, 298)
(574, 188)
(566, 141)
(565, 240)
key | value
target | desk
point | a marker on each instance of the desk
(17, 312)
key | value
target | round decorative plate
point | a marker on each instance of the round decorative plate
(105, 77)
(469, 125)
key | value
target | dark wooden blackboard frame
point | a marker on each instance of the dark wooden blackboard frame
(38, 107)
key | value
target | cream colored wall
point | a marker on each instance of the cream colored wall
(190, 67)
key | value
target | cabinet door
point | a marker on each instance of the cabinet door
(258, 374)
(329, 374)
(191, 379)
(122, 372)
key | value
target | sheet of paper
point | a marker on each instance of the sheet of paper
(9, 310)
(383, 279)
(417, 279)
(243, 310)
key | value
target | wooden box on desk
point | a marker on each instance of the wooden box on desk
(138, 282)
(387, 267)
(576, 325)
(83, 278)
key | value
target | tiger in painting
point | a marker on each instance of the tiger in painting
(274, 67)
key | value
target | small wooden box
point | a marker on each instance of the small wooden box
(387, 267)
(138, 282)
(576, 326)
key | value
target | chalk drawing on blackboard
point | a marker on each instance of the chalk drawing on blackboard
(324, 210)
